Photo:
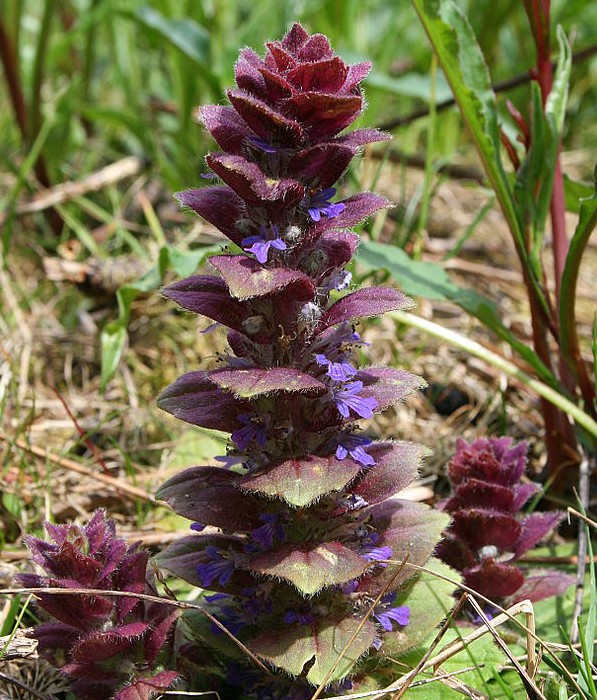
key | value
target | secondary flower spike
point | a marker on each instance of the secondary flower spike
(299, 529)
(111, 647)
(488, 534)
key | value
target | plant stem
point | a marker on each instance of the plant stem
(581, 418)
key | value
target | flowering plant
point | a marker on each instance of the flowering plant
(110, 646)
(296, 530)
(488, 535)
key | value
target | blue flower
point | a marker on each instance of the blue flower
(386, 615)
(371, 552)
(254, 429)
(260, 244)
(272, 530)
(319, 205)
(346, 399)
(354, 445)
(221, 567)
(338, 371)
(302, 615)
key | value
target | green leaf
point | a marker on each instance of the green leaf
(431, 281)
(410, 85)
(574, 191)
(188, 36)
(430, 601)
(310, 567)
(113, 341)
(323, 642)
(568, 334)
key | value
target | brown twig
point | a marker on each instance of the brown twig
(502, 86)
(84, 435)
(120, 486)
(65, 191)
(138, 596)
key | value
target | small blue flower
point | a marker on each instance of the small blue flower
(386, 615)
(272, 530)
(254, 429)
(346, 399)
(338, 371)
(354, 445)
(371, 552)
(221, 567)
(262, 144)
(302, 615)
(319, 205)
(197, 527)
(260, 244)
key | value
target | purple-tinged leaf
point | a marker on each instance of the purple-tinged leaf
(455, 553)
(534, 528)
(322, 115)
(254, 382)
(322, 76)
(220, 206)
(208, 295)
(480, 528)
(359, 207)
(411, 530)
(224, 124)
(253, 185)
(490, 459)
(78, 611)
(339, 246)
(248, 75)
(277, 58)
(302, 481)
(157, 636)
(247, 279)
(316, 48)
(276, 85)
(323, 163)
(369, 301)
(357, 74)
(130, 577)
(387, 385)
(481, 494)
(494, 579)
(196, 400)
(310, 567)
(396, 465)
(294, 40)
(522, 493)
(99, 646)
(322, 642)
(54, 636)
(147, 688)
(361, 137)
(209, 494)
(266, 122)
(539, 585)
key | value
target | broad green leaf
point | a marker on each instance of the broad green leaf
(430, 601)
(197, 446)
(431, 281)
(461, 59)
(323, 643)
(185, 34)
(568, 333)
(574, 192)
(113, 341)
(410, 85)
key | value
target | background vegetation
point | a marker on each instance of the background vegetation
(86, 343)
